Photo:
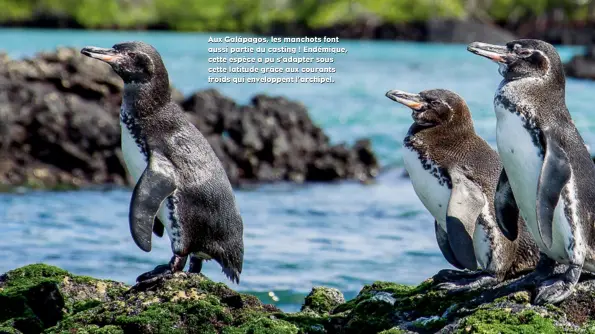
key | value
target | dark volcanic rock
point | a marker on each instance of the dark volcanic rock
(273, 139)
(43, 299)
(59, 127)
(59, 121)
(582, 66)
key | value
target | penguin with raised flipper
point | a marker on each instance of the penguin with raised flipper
(454, 172)
(548, 174)
(180, 183)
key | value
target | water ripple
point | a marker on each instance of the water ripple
(296, 236)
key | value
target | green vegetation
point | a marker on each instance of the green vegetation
(502, 321)
(261, 15)
(44, 299)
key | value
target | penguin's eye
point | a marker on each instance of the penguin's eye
(132, 55)
(435, 104)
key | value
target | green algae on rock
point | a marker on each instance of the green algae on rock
(323, 300)
(44, 299)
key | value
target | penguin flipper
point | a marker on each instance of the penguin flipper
(507, 211)
(465, 205)
(554, 175)
(155, 185)
(158, 227)
(442, 238)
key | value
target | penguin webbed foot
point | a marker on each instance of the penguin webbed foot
(557, 288)
(159, 271)
(544, 269)
(176, 263)
(467, 284)
(450, 275)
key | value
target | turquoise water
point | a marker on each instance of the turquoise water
(341, 235)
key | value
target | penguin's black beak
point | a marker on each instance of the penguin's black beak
(496, 53)
(107, 55)
(413, 101)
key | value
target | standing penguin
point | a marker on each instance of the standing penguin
(454, 173)
(548, 174)
(180, 182)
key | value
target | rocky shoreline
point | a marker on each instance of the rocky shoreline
(59, 128)
(45, 299)
(582, 66)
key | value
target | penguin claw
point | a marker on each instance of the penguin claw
(448, 286)
(159, 271)
(465, 285)
(449, 275)
(553, 291)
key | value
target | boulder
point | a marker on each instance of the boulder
(40, 298)
(582, 66)
(59, 127)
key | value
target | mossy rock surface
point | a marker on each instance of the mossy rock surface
(44, 299)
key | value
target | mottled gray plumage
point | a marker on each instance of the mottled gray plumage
(444, 141)
(548, 174)
(184, 180)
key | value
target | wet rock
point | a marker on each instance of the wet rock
(63, 126)
(59, 127)
(40, 298)
(181, 303)
(582, 66)
(323, 300)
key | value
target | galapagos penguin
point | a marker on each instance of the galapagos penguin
(548, 174)
(454, 172)
(180, 183)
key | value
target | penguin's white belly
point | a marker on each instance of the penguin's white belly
(134, 159)
(433, 195)
(136, 165)
(522, 163)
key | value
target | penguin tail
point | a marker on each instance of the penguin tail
(231, 261)
(232, 274)
(232, 264)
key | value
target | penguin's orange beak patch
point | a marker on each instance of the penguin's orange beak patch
(413, 101)
(106, 55)
(496, 53)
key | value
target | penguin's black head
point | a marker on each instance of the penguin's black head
(434, 107)
(134, 62)
(523, 58)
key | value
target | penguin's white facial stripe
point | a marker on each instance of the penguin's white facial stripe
(547, 61)
(451, 114)
(522, 52)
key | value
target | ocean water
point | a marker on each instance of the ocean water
(342, 235)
